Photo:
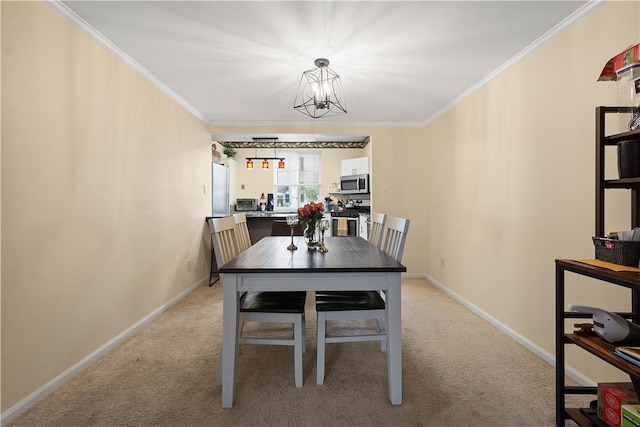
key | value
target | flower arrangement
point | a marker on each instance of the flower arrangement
(311, 212)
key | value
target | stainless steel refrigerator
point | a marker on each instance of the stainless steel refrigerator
(219, 190)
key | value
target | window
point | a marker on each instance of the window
(299, 182)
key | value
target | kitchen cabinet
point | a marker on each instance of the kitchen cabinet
(357, 166)
(259, 227)
(261, 223)
(589, 341)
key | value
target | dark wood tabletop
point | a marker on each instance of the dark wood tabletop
(346, 254)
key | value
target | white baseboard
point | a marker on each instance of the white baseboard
(534, 348)
(39, 394)
(52, 385)
(413, 276)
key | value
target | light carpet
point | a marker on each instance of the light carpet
(458, 370)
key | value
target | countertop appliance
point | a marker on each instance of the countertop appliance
(245, 205)
(219, 190)
(354, 184)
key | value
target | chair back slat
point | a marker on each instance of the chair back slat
(395, 235)
(225, 246)
(377, 229)
(242, 231)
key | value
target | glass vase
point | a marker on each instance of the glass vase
(310, 237)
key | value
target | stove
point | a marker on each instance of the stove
(346, 213)
(345, 223)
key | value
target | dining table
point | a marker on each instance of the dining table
(350, 264)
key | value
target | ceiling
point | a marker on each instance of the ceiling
(401, 63)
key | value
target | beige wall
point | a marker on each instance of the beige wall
(510, 183)
(102, 199)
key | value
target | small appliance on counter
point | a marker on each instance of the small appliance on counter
(246, 205)
(269, 201)
(263, 203)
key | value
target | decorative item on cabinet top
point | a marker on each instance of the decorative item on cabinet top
(229, 152)
(215, 154)
(624, 68)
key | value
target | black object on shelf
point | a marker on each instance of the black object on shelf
(629, 158)
(623, 252)
(592, 414)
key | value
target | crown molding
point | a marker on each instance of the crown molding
(577, 16)
(99, 38)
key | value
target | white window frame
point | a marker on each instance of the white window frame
(292, 161)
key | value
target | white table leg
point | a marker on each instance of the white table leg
(229, 338)
(394, 335)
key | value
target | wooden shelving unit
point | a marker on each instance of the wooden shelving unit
(602, 141)
(591, 342)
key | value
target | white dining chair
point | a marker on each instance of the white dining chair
(213, 262)
(375, 238)
(269, 307)
(395, 236)
(242, 231)
(358, 304)
(377, 229)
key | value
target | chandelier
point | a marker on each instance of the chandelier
(320, 92)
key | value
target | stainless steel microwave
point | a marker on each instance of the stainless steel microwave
(354, 184)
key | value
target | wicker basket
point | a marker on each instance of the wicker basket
(617, 251)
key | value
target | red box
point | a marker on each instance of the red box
(611, 397)
(629, 56)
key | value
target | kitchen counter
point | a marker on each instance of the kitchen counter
(260, 223)
(268, 214)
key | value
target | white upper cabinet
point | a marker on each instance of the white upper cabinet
(357, 166)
